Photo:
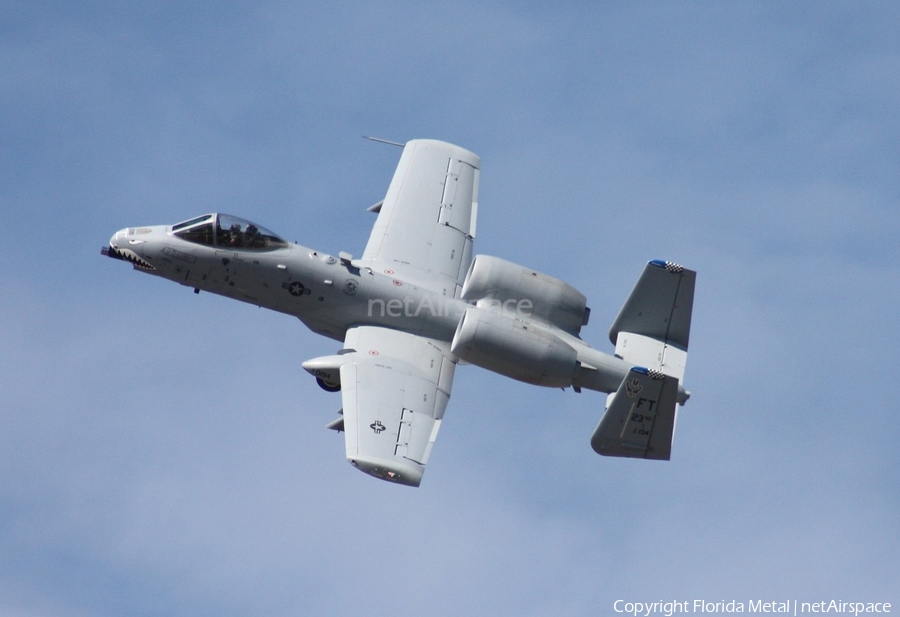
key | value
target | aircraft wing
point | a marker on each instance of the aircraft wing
(394, 392)
(426, 222)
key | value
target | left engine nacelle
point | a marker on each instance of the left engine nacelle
(327, 370)
(500, 343)
(516, 287)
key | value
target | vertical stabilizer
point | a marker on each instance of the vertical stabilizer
(654, 326)
(640, 419)
(651, 333)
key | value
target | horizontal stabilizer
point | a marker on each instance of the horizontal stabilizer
(640, 417)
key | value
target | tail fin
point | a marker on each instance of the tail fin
(652, 330)
(640, 419)
(654, 325)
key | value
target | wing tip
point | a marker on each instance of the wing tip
(389, 471)
(669, 266)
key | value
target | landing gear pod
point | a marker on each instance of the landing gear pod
(327, 371)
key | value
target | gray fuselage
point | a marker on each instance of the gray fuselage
(330, 294)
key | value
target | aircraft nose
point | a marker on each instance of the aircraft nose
(112, 250)
(124, 245)
(113, 241)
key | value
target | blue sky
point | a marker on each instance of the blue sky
(163, 453)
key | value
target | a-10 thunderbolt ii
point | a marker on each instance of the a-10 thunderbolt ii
(416, 304)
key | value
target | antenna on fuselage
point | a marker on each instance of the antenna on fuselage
(384, 141)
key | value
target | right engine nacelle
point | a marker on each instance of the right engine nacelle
(500, 343)
(544, 297)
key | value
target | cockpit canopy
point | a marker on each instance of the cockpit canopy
(226, 231)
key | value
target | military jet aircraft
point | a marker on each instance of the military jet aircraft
(416, 305)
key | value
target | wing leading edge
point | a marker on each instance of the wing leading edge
(426, 223)
(394, 393)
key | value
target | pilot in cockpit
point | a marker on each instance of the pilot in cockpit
(251, 237)
(230, 232)
(234, 236)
